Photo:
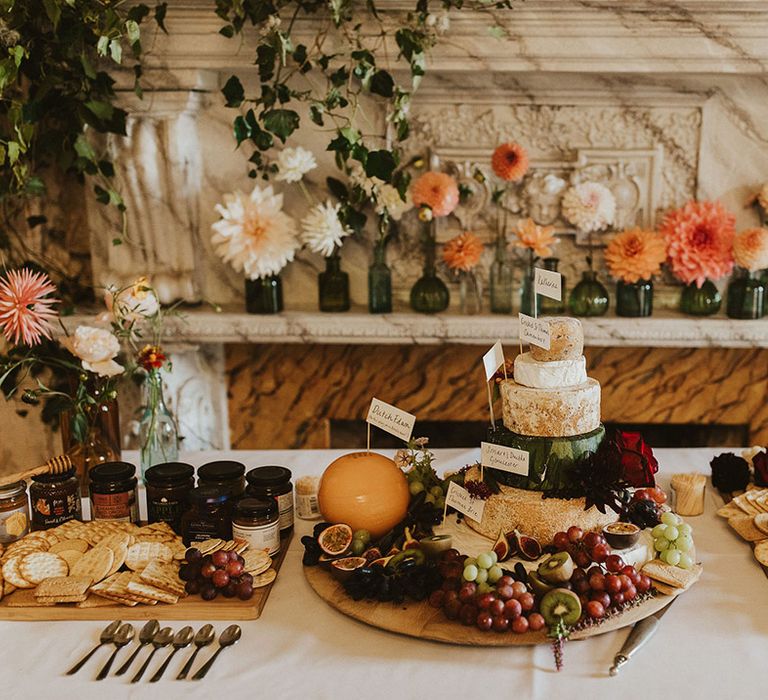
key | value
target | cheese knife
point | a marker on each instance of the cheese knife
(640, 634)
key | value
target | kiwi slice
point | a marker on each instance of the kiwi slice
(539, 586)
(560, 604)
(557, 569)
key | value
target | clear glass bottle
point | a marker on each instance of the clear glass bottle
(530, 303)
(379, 282)
(333, 286)
(264, 295)
(158, 432)
(502, 279)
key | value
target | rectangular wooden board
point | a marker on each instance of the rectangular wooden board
(189, 608)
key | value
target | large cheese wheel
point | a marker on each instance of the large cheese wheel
(549, 375)
(566, 340)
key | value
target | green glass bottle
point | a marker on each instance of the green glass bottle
(264, 295)
(429, 295)
(379, 282)
(589, 297)
(746, 296)
(553, 307)
(634, 299)
(333, 286)
(700, 301)
(502, 279)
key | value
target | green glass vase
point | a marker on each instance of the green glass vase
(634, 299)
(502, 280)
(529, 302)
(553, 307)
(264, 295)
(700, 301)
(589, 297)
(745, 296)
(429, 295)
(333, 286)
(379, 282)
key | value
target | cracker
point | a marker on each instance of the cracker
(761, 522)
(178, 549)
(120, 552)
(208, 546)
(743, 503)
(95, 564)
(63, 586)
(142, 553)
(73, 545)
(670, 575)
(729, 510)
(95, 601)
(264, 579)
(745, 527)
(53, 600)
(71, 556)
(761, 552)
(2, 583)
(25, 599)
(12, 573)
(144, 589)
(163, 576)
(241, 546)
(39, 566)
(256, 561)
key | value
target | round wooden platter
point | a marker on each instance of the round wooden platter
(423, 621)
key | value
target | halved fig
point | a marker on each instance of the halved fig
(501, 547)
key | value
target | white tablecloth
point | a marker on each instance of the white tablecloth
(713, 643)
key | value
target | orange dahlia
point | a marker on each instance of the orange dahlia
(635, 255)
(699, 241)
(437, 191)
(510, 161)
(750, 249)
(537, 238)
(463, 252)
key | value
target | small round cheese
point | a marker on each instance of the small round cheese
(549, 375)
(566, 341)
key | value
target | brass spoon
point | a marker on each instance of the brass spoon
(124, 635)
(107, 635)
(145, 637)
(228, 637)
(205, 636)
(161, 639)
(182, 639)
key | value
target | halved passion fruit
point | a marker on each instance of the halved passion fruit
(342, 568)
(336, 539)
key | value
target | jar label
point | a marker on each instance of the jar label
(50, 511)
(307, 506)
(14, 524)
(259, 536)
(199, 530)
(285, 508)
(164, 510)
(115, 506)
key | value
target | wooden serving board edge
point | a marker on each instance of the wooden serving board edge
(190, 608)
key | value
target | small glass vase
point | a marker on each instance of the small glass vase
(158, 433)
(589, 297)
(553, 307)
(333, 286)
(502, 280)
(470, 300)
(264, 295)
(429, 295)
(379, 282)
(746, 296)
(529, 302)
(700, 301)
(634, 299)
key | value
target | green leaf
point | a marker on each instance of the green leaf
(53, 11)
(339, 77)
(133, 31)
(2, 154)
(380, 164)
(84, 149)
(117, 241)
(14, 151)
(241, 130)
(138, 13)
(161, 9)
(337, 188)
(382, 84)
(316, 114)
(233, 91)
(103, 110)
(102, 45)
(497, 32)
(116, 51)
(227, 31)
(17, 53)
(87, 67)
(281, 122)
(265, 60)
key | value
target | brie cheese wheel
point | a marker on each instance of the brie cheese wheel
(549, 375)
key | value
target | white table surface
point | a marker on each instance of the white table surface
(713, 643)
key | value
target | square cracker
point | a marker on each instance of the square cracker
(164, 577)
(745, 527)
(730, 510)
(761, 552)
(63, 586)
(142, 553)
(146, 591)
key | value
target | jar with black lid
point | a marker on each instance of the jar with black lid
(113, 492)
(55, 499)
(274, 482)
(256, 520)
(227, 475)
(209, 515)
(168, 486)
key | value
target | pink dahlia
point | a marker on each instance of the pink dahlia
(700, 241)
(25, 306)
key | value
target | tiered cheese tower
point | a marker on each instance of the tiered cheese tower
(551, 409)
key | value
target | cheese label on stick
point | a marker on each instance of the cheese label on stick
(493, 359)
(547, 283)
(534, 331)
(459, 498)
(392, 419)
(507, 459)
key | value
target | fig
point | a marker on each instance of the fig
(560, 604)
(557, 569)
(372, 554)
(514, 547)
(410, 541)
(336, 539)
(381, 561)
(501, 547)
(528, 547)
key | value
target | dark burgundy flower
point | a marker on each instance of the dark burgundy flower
(729, 472)
(760, 464)
(637, 459)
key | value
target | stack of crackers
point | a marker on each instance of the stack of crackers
(256, 562)
(747, 514)
(93, 564)
(670, 580)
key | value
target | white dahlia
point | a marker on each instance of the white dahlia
(388, 200)
(322, 230)
(589, 206)
(294, 163)
(254, 235)
(96, 348)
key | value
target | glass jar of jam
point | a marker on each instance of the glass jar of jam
(209, 515)
(113, 492)
(257, 521)
(14, 512)
(168, 486)
(226, 475)
(55, 499)
(274, 482)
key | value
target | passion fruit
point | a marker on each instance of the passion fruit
(341, 568)
(336, 539)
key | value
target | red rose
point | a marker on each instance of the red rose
(760, 465)
(637, 459)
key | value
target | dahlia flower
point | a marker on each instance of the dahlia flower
(437, 191)
(25, 306)
(750, 249)
(132, 303)
(510, 162)
(635, 255)
(294, 163)
(589, 206)
(254, 235)
(537, 238)
(699, 241)
(322, 231)
(462, 253)
(389, 201)
(96, 348)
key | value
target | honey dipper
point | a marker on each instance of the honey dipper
(55, 465)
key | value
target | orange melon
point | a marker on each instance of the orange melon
(367, 491)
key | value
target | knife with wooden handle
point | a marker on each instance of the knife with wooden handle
(640, 634)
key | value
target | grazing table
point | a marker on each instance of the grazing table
(713, 643)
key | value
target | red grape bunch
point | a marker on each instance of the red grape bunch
(220, 572)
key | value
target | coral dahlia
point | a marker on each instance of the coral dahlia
(438, 191)
(510, 162)
(462, 253)
(635, 255)
(750, 249)
(25, 306)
